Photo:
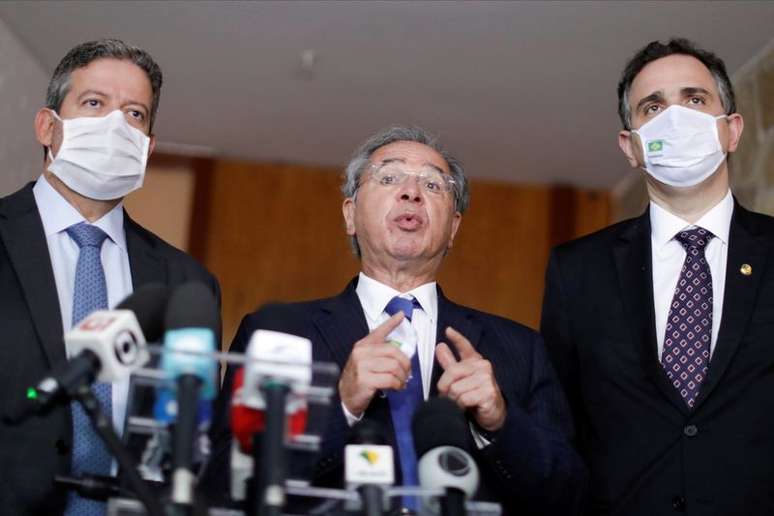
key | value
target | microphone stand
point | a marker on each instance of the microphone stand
(182, 446)
(269, 466)
(453, 502)
(104, 427)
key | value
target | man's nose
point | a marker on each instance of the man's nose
(410, 189)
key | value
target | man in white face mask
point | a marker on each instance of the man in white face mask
(660, 326)
(67, 247)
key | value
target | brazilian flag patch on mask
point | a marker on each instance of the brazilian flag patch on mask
(655, 146)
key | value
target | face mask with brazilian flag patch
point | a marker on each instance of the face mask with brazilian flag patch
(681, 147)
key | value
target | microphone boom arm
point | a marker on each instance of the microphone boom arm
(104, 428)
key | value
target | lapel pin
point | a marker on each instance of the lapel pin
(746, 269)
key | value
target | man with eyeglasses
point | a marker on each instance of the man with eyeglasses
(398, 340)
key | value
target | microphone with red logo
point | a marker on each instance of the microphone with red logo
(108, 345)
(268, 406)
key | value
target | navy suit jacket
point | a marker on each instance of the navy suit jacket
(531, 467)
(649, 455)
(32, 453)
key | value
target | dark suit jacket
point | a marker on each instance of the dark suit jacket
(647, 453)
(531, 467)
(32, 453)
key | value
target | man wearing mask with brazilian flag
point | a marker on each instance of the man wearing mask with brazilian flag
(67, 247)
(660, 326)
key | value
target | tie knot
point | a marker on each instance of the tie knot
(696, 238)
(398, 304)
(86, 235)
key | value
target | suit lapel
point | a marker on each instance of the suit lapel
(144, 262)
(451, 314)
(739, 296)
(22, 232)
(633, 260)
(341, 323)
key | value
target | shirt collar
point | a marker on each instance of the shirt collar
(374, 297)
(665, 225)
(57, 214)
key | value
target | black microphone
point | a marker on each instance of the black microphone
(441, 437)
(107, 345)
(368, 465)
(189, 342)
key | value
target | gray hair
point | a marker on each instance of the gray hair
(362, 156)
(85, 53)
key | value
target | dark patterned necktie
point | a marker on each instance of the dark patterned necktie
(90, 456)
(689, 326)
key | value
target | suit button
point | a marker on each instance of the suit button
(678, 504)
(690, 430)
(61, 447)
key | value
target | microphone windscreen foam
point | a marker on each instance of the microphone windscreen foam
(192, 305)
(439, 422)
(149, 303)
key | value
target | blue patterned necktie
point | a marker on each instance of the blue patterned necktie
(90, 456)
(686, 353)
(403, 404)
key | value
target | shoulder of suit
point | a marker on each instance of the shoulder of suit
(159, 245)
(500, 323)
(600, 239)
(759, 222)
(271, 313)
(20, 201)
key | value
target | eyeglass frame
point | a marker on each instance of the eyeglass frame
(449, 183)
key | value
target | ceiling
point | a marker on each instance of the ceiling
(520, 91)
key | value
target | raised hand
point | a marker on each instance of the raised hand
(470, 382)
(373, 365)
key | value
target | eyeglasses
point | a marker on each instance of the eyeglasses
(430, 179)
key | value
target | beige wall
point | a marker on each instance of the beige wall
(23, 84)
(165, 202)
(752, 166)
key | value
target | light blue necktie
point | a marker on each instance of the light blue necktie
(403, 404)
(90, 456)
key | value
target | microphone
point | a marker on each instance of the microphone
(277, 376)
(368, 466)
(245, 422)
(107, 345)
(441, 440)
(189, 342)
(273, 359)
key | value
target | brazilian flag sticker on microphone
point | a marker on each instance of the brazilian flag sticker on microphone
(368, 464)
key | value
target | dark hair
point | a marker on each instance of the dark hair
(656, 50)
(85, 53)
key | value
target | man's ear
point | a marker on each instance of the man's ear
(630, 147)
(151, 145)
(348, 210)
(455, 226)
(44, 127)
(735, 128)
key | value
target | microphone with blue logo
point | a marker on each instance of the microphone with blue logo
(191, 375)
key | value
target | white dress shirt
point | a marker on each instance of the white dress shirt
(668, 257)
(57, 215)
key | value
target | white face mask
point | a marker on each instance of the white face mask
(101, 157)
(680, 146)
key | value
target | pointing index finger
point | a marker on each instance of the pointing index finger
(461, 344)
(384, 329)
